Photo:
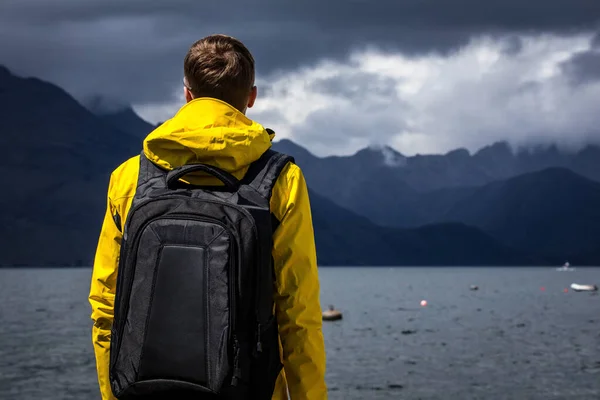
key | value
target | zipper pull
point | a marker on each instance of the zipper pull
(259, 347)
(236, 361)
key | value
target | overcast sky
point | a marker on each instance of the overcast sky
(423, 76)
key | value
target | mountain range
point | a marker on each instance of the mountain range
(548, 211)
(411, 191)
(376, 207)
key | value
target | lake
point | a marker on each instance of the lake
(520, 336)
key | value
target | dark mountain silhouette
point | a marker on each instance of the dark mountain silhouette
(394, 190)
(554, 212)
(370, 183)
(56, 162)
(362, 183)
(46, 122)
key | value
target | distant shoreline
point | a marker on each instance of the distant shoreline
(340, 266)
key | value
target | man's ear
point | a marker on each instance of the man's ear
(188, 95)
(252, 97)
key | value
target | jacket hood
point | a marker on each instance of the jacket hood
(208, 131)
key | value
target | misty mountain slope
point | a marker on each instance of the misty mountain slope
(301, 155)
(553, 212)
(52, 129)
(56, 163)
(363, 183)
(431, 172)
(370, 183)
(128, 121)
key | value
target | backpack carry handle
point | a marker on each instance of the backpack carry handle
(229, 180)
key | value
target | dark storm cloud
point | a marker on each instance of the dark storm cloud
(512, 45)
(583, 67)
(326, 127)
(134, 49)
(355, 86)
(596, 41)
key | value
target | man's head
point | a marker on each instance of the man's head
(221, 67)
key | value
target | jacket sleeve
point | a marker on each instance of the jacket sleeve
(297, 300)
(102, 295)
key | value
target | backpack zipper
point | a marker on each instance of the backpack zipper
(236, 362)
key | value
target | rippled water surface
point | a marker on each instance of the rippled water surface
(508, 340)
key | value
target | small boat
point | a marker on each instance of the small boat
(584, 288)
(332, 314)
(474, 287)
(566, 267)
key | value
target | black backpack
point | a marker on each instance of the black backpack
(195, 284)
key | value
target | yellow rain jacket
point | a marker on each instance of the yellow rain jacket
(210, 131)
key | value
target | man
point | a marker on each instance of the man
(212, 128)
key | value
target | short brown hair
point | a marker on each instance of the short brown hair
(221, 67)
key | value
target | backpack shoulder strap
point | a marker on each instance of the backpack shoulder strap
(151, 176)
(149, 170)
(263, 173)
